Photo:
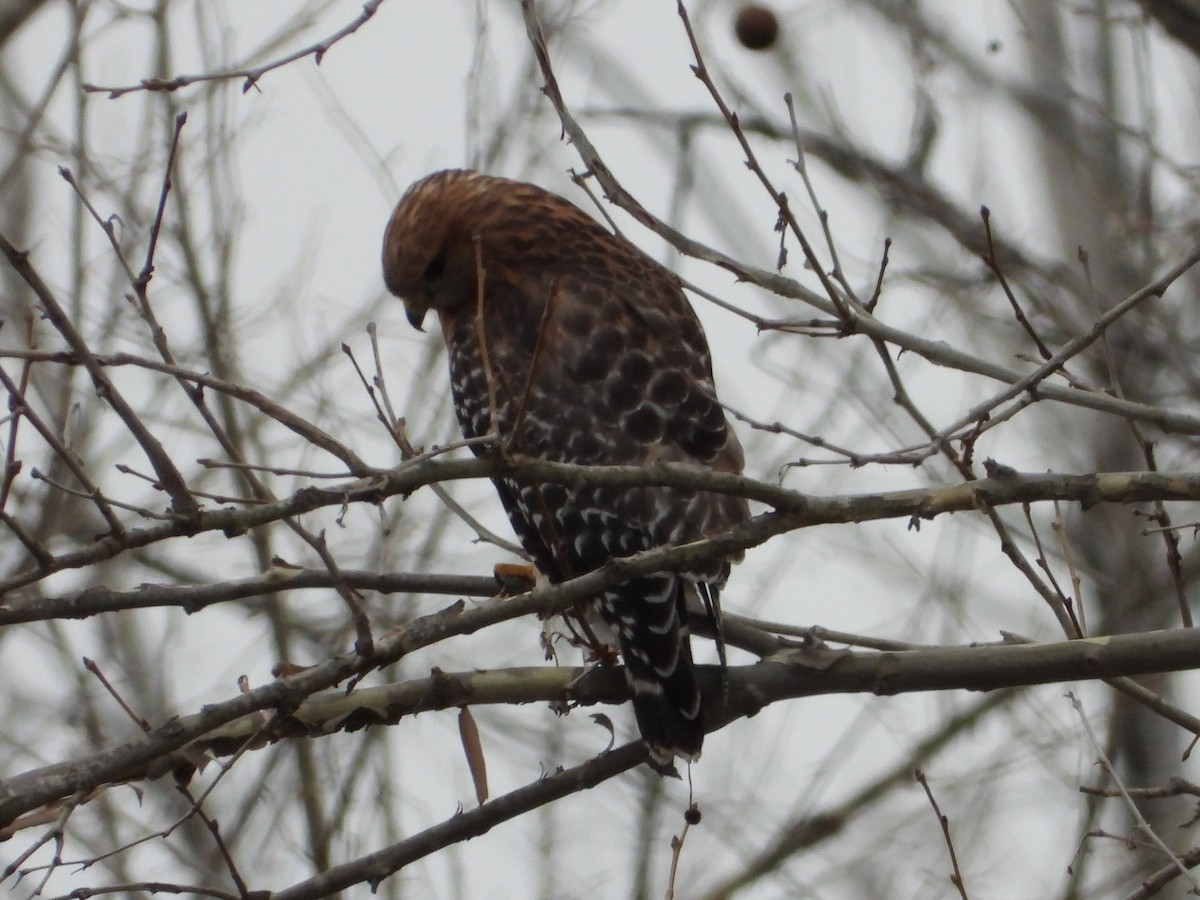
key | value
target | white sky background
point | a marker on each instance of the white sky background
(322, 154)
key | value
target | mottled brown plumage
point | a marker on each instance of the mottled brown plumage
(594, 356)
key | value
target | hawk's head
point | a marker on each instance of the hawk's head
(452, 225)
(430, 249)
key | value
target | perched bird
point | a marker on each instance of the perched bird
(579, 349)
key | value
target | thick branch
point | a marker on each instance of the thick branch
(191, 598)
(806, 672)
(801, 673)
(794, 509)
(375, 867)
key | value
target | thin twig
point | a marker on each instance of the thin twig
(1130, 806)
(1044, 562)
(840, 302)
(17, 401)
(1032, 382)
(822, 213)
(364, 644)
(539, 343)
(251, 75)
(956, 877)
(281, 414)
(485, 360)
(1064, 543)
(172, 481)
(936, 351)
(993, 263)
(144, 276)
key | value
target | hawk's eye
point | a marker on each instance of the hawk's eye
(433, 274)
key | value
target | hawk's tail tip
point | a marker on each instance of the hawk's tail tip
(662, 758)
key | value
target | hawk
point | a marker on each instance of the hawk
(578, 348)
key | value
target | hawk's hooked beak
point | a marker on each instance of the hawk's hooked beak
(415, 314)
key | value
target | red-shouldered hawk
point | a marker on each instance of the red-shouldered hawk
(591, 355)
